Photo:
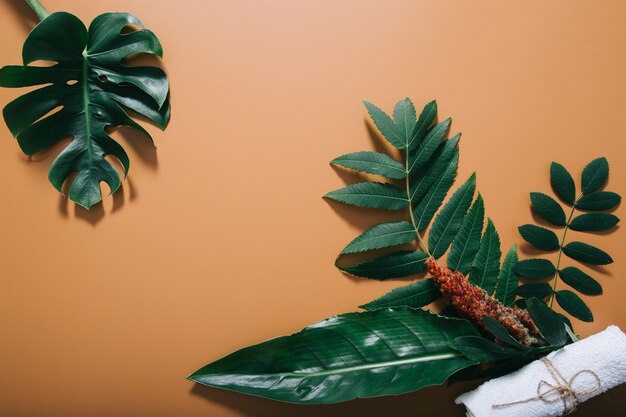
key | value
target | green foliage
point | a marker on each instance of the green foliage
(371, 195)
(87, 90)
(394, 265)
(593, 178)
(381, 236)
(415, 295)
(372, 163)
(486, 265)
(467, 241)
(508, 280)
(349, 356)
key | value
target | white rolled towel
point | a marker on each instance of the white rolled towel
(588, 367)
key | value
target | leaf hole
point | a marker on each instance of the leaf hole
(98, 116)
(103, 78)
(128, 29)
(71, 82)
(43, 63)
(50, 113)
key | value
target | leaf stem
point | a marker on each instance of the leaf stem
(558, 258)
(408, 192)
(38, 8)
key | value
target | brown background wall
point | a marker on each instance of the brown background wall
(220, 238)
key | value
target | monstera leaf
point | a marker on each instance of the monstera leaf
(355, 355)
(88, 89)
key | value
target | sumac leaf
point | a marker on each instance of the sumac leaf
(563, 183)
(405, 117)
(507, 280)
(548, 208)
(595, 175)
(415, 295)
(580, 281)
(386, 126)
(450, 218)
(598, 201)
(535, 268)
(539, 237)
(422, 180)
(421, 155)
(486, 265)
(537, 290)
(572, 303)
(394, 265)
(372, 163)
(587, 253)
(371, 195)
(425, 120)
(593, 222)
(467, 241)
(382, 236)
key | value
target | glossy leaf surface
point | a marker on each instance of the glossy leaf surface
(355, 355)
(88, 90)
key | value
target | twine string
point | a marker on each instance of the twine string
(563, 389)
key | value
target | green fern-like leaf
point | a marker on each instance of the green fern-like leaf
(486, 265)
(467, 241)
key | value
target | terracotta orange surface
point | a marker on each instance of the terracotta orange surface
(220, 237)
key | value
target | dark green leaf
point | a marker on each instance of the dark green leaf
(372, 195)
(382, 236)
(535, 268)
(548, 208)
(372, 163)
(580, 281)
(539, 237)
(482, 350)
(450, 218)
(595, 175)
(563, 183)
(539, 290)
(593, 222)
(601, 200)
(394, 265)
(467, 240)
(386, 126)
(507, 280)
(349, 356)
(424, 178)
(427, 207)
(415, 295)
(427, 116)
(572, 303)
(404, 116)
(421, 155)
(587, 253)
(89, 84)
(498, 330)
(548, 322)
(486, 265)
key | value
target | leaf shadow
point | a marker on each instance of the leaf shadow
(363, 218)
(437, 401)
(141, 144)
(29, 18)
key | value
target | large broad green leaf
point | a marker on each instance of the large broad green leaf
(421, 155)
(483, 350)
(539, 290)
(450, 218)
(587, 253)
(598, 201)
(415, 295)
(372, 195)
(405, 118)
(386, 126)
(354, 355)
(535, 268)
(508, 280)
(593, 222)
(548, 208)
(372, 163)
(563, 183)
(539, 237)
(595, 175)
(427, 116)
(382, 236)
(424, 178)
(572, 303)
(580, 281)
(86, 91)
(467, 240)
(427, 207)
(486, 265)
(394, 265)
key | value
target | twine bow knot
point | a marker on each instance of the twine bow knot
(561, 391)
